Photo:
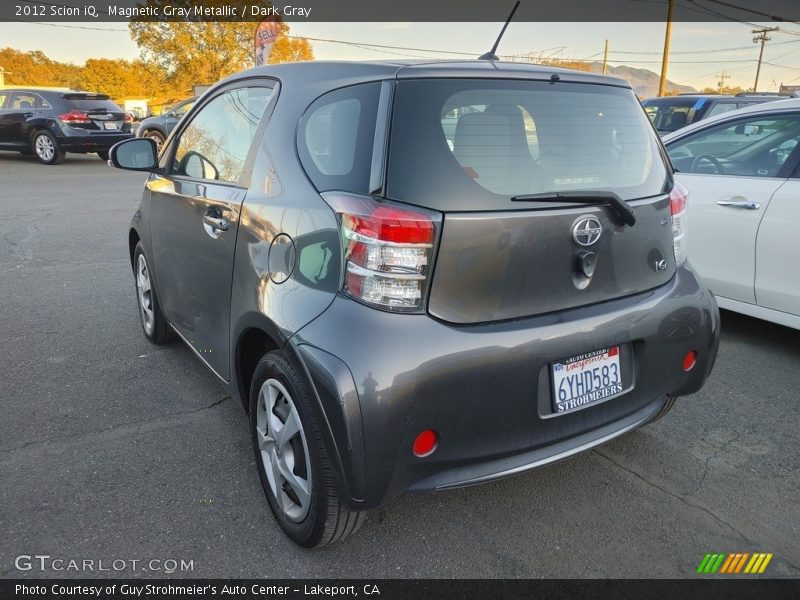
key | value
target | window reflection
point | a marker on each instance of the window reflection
(214, 145)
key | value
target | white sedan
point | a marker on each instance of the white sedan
(742, 170)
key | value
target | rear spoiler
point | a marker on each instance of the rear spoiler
(84, 96)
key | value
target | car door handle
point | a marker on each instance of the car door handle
(214, 226)
(27, 115)
(744, 204)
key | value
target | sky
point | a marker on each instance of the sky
(699, 51)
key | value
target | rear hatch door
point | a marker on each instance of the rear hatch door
(104, 115)
(504, 160)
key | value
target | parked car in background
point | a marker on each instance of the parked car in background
(674, 112)
(742, 170)
(49, 123)
(157, 128)
(398, 310)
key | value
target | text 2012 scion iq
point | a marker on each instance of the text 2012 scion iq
(420, 276)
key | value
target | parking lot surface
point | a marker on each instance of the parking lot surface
(112, 448)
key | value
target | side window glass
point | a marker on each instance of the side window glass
(721, 108)
(22, 101)
(336, 136)
(215, 144)
(182, 110)
(3, 100)
(757, 146)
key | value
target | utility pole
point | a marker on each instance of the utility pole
(722, 77)
(662, 85)
(761, 36)
(605, 58)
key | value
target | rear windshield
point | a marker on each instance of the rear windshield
(460, 144)
(91, 103)
(670, 114)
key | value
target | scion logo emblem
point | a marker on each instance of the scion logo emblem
(586, 231)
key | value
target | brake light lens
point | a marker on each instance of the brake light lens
(677, 207)
(388, 251)
(74, 117)
(128, 118)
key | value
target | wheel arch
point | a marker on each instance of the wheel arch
(154, 129)
(36, 125)
(133, 240)
(252, 343)
(257, 335)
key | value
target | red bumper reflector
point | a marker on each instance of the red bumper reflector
(425, 443)
(690, 360)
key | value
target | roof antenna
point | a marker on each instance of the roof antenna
(490, 55)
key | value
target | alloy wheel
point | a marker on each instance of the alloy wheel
(45, 149)
(157, 139)
(284, 450)
(145, 294)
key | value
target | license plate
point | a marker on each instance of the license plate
(586, 378)
(110, 125)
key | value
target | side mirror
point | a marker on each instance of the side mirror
(138, 154)
(197, 166)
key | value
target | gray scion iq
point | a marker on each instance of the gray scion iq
(419, 276)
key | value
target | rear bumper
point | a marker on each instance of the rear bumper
(382, 378)
(72, 140)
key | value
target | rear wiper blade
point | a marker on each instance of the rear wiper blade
(618, 206)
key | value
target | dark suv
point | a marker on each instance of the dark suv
(420, 276)
(670, 113)
(49, 123)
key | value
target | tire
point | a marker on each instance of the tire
(309, 511)
(103, 154)
(157, 137)
(154, 324)
(46, 148)
(664, 409)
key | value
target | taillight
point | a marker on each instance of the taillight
(128, 118)
(74, 116)
(677, 207)
(388, 251)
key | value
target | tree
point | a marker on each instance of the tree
(290, 49)
(578, 65)
(35, 68)
(121, 78)
(201, 52)
(725, 90)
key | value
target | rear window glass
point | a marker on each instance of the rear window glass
(673, 113)
(471, 144)
(335, 138)
(88, 104)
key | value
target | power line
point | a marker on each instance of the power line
(750, 10)
(709, 51)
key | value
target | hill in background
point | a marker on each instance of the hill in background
(643, 81)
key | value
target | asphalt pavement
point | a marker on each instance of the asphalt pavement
(114, 449)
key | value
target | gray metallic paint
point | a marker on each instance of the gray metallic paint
(379, 378)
